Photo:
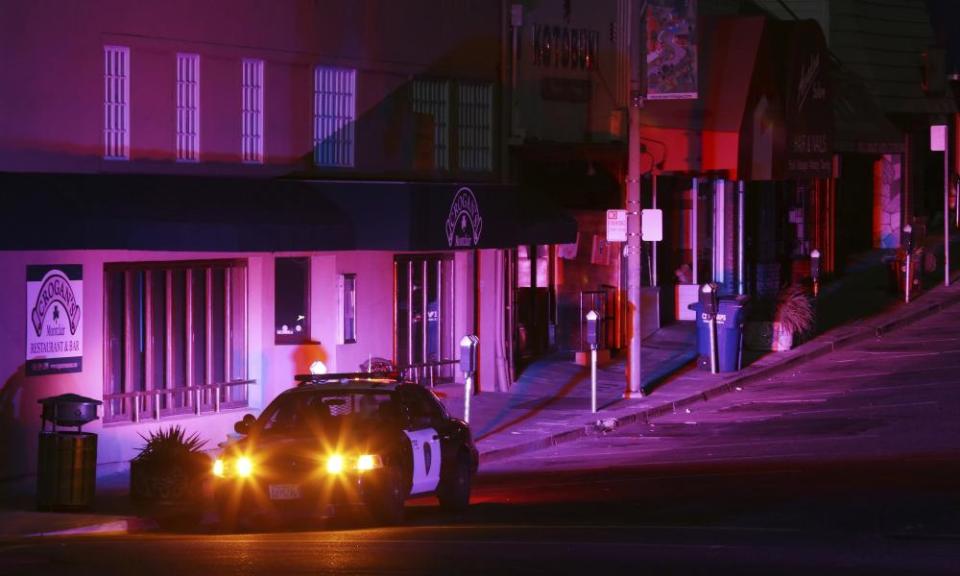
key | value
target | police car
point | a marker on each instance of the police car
(340, 441)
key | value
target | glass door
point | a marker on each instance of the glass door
(424, 306)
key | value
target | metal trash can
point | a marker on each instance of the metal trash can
(67, 460)
(730, 318)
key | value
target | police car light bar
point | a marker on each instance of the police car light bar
(346, 376)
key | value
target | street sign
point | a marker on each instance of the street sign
(651, 225)
(616, 225)
(938, 137)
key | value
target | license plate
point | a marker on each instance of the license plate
(284, 491)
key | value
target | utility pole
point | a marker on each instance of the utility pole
(635, 51)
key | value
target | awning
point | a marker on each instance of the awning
(859, 124)
(702, 135)
(146, 212)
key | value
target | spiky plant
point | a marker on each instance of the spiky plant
(795, 311)
(170, 443)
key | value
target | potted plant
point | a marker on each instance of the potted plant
(166, 476)
(794, 317)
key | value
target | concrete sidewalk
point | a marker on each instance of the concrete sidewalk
(550, 404)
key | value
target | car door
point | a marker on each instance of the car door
(424, 442)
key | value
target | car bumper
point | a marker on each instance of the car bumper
(321, 497)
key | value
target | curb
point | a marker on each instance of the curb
(817, 349)
(121, 526)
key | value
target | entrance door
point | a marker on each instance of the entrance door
(424, 305)
(534, 301)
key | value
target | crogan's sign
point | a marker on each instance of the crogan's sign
(54, 328)
(464, 223)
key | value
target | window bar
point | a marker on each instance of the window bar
(410, 312)
(188, 322)
(128, 344)
(396, 311)
(208, 334)
(168, 337)
(148, 359)
(424, 283)
(227, 331)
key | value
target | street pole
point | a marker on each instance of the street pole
(635, 54)
(946, 206)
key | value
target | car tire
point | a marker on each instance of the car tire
(386, 506)
(454, 493)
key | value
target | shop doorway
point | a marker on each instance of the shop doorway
(424, 341)
(535, 302)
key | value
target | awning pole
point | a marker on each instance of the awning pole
(741, 237)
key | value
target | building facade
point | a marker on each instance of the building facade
(202, 200)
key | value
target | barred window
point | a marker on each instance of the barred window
(475, 127)
(431, 98)
(334, 116)
(175, 338)
(251, 143)
(116, 102)
(188, 107)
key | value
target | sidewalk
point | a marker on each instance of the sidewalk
(550, 404)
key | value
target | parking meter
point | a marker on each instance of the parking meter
(815, 270)
(908, 238)
(468, 363)
(908, 268)
(468, 353)
(710, 305)
(592, 320)
(709, 302)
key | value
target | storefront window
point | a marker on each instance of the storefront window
(175, 338)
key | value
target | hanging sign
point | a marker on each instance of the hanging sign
(671, 42)
(54, 320)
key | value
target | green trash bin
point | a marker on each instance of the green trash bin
(67, 460)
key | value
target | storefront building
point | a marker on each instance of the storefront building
(193, 217)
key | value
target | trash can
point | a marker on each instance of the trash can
(730, 319)
(67, 460)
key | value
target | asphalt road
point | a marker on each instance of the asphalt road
(848, 465)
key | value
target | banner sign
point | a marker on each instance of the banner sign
(54, 320)
(671, 42)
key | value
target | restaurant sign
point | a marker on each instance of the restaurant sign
(54, 323)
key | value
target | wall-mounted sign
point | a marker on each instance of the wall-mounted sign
(464, 223)
(671, 29)
(54, 323)
(561, 47)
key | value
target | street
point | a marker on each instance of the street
(847, 464)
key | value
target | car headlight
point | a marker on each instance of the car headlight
(219, 468)
(243, 466)
(367, 462)
(334, 464)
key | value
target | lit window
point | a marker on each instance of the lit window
(252, 112)
(334, 115)
(475, 127)
(175, 338)
(292, 300)
(348, 308)
(116, 102)
(188, 107)
(431, 100)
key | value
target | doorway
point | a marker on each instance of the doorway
(424, 314)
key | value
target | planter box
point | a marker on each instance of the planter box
(767, 336)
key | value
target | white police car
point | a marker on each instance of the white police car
(340, 441)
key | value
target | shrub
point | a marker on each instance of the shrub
(795, 311)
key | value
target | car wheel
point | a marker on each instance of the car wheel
(454, 493)
(386, 506)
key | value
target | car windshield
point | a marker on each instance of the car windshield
(301, 413)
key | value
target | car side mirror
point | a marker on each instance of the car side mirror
(244, 425)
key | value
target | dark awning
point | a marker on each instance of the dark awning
(148, 212)
(859, 124)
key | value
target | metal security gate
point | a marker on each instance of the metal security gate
(424, 342)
